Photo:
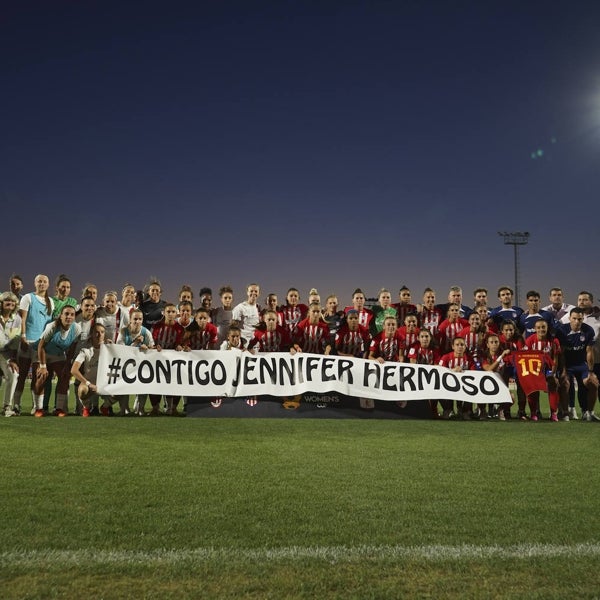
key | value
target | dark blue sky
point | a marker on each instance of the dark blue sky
(328, 144)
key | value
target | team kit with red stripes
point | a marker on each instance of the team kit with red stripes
(554, 349)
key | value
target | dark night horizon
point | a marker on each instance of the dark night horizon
(330, 145)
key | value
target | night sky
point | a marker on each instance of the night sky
(328, 144)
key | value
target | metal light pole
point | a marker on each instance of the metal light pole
(515, 239)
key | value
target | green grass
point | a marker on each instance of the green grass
(219, 508)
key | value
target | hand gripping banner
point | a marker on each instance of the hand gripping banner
(123, 370)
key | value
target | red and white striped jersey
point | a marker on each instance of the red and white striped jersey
(167, 336)
(292, 315)
(271, 341)
(550, 346)
(431, 320)
(364, 316)
(389, 349)
(203, 339)
(355, 343)
(312, 338)
(423, 356)
(403, 309)
(409, 338)
(449, 330)
(452, 361)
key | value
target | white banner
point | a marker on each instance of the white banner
(123, 370)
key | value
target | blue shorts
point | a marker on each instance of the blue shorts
(579, 372)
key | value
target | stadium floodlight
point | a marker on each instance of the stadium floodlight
(515, 239)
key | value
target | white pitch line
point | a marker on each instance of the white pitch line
(331, 554)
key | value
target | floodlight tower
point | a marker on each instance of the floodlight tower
(515, 239)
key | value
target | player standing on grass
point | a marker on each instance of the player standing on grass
(10, 331)
(35, 310)
(457, 360)
(424, 352)
(493, 359)
(542, 341)
(136, 335)
(55, 354)
(168, 335)
(577, 343)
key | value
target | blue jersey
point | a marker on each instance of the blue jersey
(574, 344)
(500, 314)
(527, 322)
(59, 341)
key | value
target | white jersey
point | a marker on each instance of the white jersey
(593, 320)
(562, 312)
(248, 317)
(112, 323)
(88, 359)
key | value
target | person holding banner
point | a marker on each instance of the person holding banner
(511, 339)
(136, 335)
(493, 359)
(85, 372)
(458, 360)
(352, 338)
(272, 338)
(312, 333)
(387, 345)
(205, 335)
(168, 335)
(234, 341)
(424, 352)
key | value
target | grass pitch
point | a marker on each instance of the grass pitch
(224, 508)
